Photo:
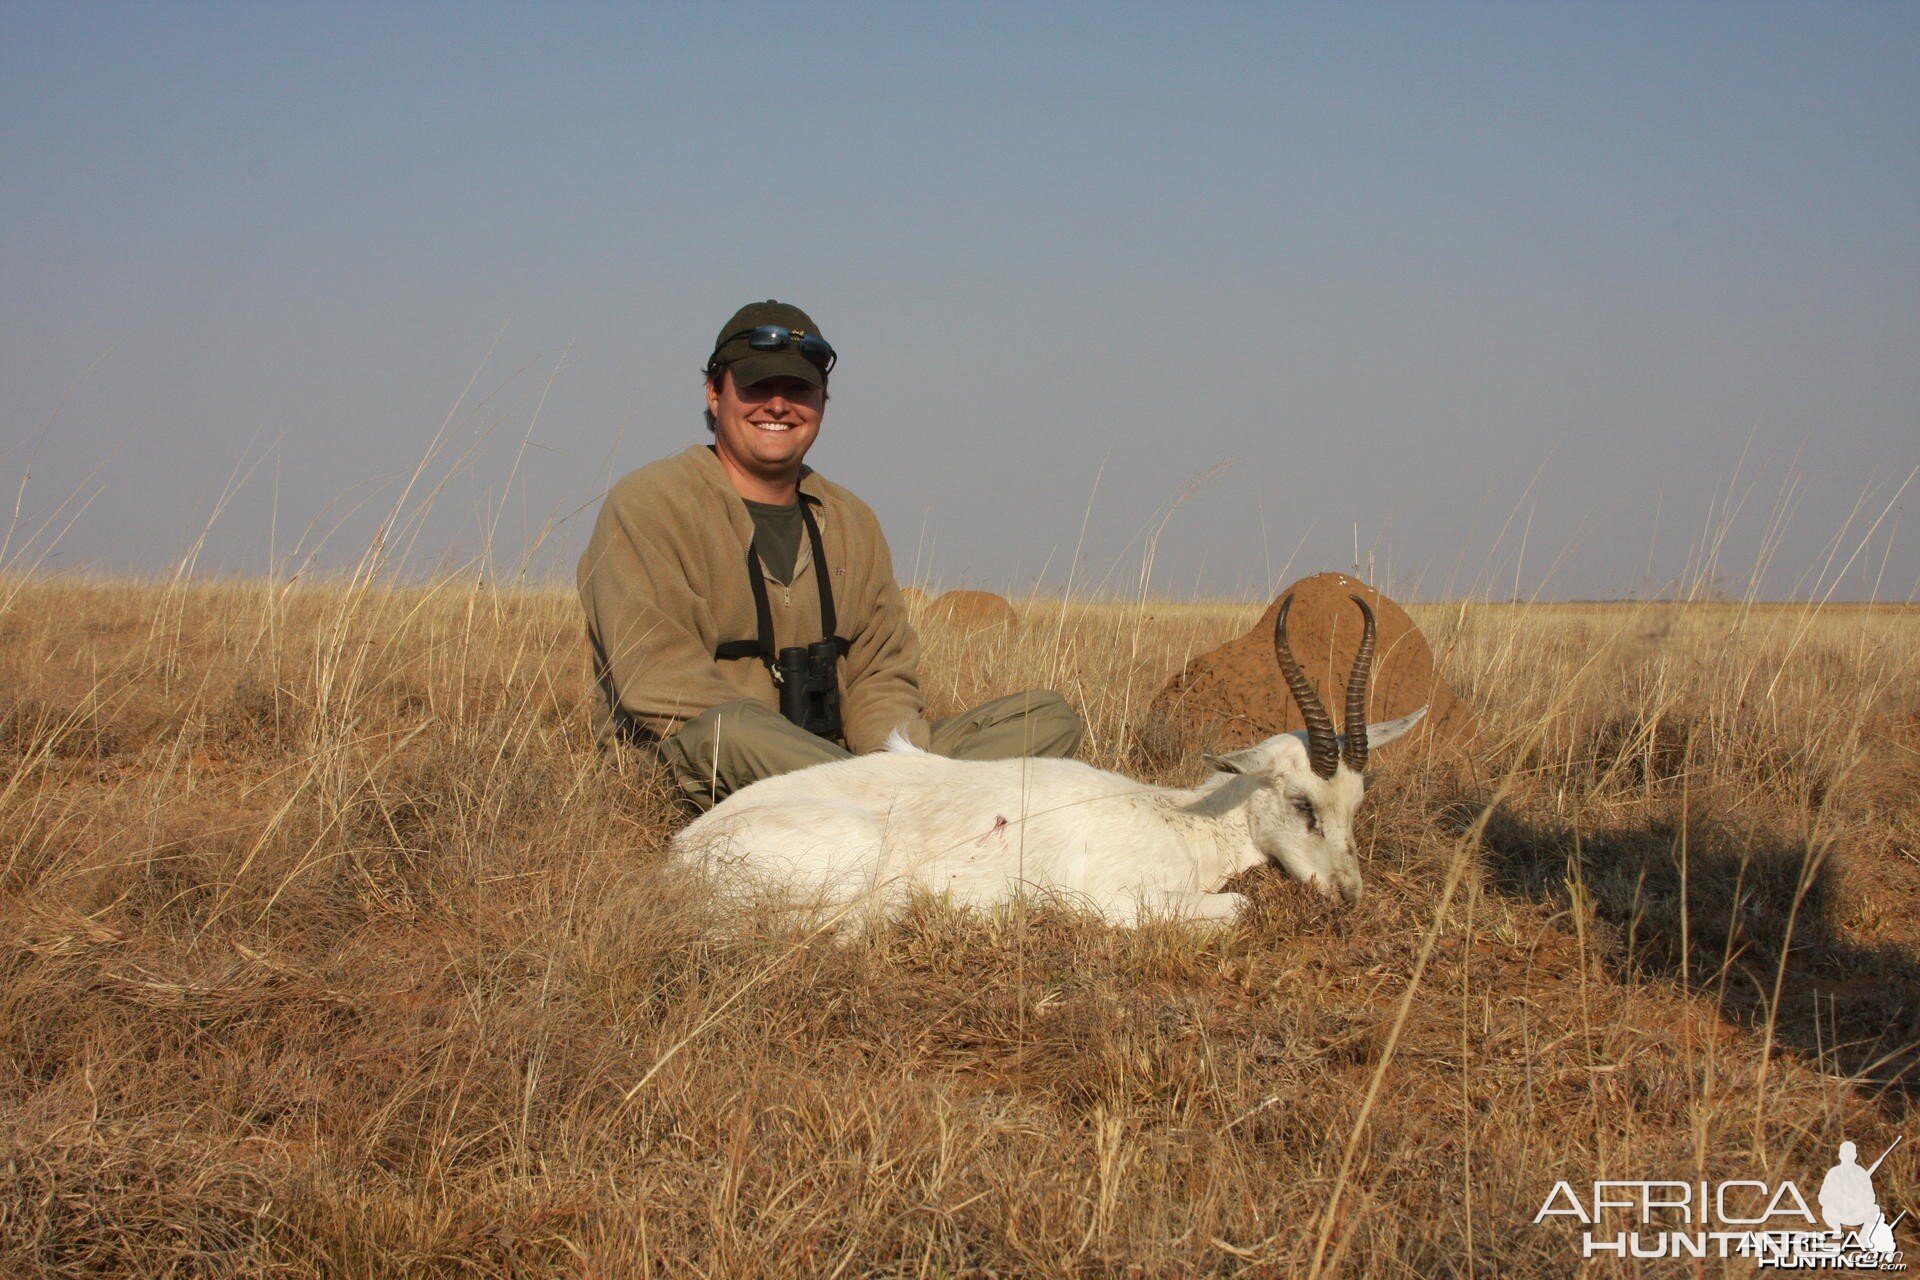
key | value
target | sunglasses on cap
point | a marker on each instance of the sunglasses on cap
(777, 337)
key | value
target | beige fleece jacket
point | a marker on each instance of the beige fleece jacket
(664, 582)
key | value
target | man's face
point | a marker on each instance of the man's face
(766, 429)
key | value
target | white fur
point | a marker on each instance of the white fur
(898, 742)
(856, 837)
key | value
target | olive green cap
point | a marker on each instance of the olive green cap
(750, 366)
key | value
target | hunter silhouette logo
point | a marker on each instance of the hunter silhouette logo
(1771, 1224)
(1847, 1200)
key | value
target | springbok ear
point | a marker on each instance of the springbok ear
(1387, 730)
(1246, 760)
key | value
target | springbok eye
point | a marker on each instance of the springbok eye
(1304, 807)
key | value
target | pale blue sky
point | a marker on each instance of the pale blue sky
(1410, 268)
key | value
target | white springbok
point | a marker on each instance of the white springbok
(856, 837)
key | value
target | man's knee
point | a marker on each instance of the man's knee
(1057, 728)
(1037, 722)
(735, 744)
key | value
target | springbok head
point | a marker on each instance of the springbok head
(1302, 819)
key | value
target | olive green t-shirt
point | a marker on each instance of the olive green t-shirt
(776, 537)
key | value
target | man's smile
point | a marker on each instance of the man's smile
(763, 431)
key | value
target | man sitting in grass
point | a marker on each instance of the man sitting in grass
(742, 610)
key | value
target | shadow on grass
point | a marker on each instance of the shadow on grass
(1717, 909)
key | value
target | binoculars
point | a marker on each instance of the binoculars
(809, 684)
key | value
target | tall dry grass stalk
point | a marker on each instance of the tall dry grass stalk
(331, 947)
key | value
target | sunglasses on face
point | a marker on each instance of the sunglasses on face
(817, 351)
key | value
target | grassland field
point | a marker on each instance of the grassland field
(331, 946)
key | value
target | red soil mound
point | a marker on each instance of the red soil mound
(973, 610)
(1234, 695)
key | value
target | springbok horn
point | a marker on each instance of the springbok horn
(1323, 745)
(1355, 753)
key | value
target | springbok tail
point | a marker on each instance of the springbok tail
(899, 744)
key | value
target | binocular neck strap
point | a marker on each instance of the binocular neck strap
(763, 612)
(829, 622)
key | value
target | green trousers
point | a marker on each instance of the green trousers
(725, 748)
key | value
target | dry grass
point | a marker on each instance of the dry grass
(331, 948)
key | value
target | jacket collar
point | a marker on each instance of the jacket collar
(716, 474)
(707, 463)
